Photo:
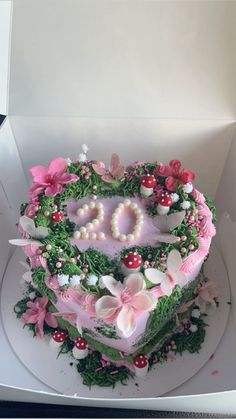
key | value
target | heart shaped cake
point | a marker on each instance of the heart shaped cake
(114, 264)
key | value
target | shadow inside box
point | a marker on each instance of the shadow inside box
(36, 410)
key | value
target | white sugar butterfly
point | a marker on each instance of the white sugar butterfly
(28, 225)
(165, 224)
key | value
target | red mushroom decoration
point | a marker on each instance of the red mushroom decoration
(80, 350)
(58, 338)
(131, 263)
(148, 182)
(140, 366)
(57, 216)
(164, 203)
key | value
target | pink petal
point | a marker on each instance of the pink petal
(126, 321)
(157, 292)
(51, 320)
(38, 171)
(144, 301)
(174, 261)
(171, 183)
(115, 287)
(201, 304)
(57, 165)
(99, 168)
(154, 275)
(29, 317)
(175, 166)
(79, 325)
(115, 161)
(42, 301)
(108, 178)
(135, 283)
(167, 286)
(39, 327)
(106, 306)
(166, 238)
(53, 190)
(180, 278)
(68, 178)
(119, 172)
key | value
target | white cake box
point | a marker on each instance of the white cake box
(150, 80)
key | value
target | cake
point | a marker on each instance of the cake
(115, 259)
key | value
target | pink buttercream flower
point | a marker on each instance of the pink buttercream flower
(88, 302)
(171, 277)
(174, 174)
(198, 196)
(129, 300)
(206, 295)
(37, 314)
(36, 259)
(207, 228)
(50, 179)
(113, 173)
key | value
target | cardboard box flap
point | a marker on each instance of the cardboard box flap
(123, 59)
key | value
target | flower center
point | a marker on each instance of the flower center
(169, 277)
(125, 296)
(50, 179)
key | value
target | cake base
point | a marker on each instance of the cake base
(58, 374)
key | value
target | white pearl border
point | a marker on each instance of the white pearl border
(84, 233)
(137, 228)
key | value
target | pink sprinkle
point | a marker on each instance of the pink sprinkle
(215, 372)
(114, 372)
(163, 258)
(212, 357)
(98, 369)
(162, 265)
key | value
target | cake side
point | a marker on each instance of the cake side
(115, 257)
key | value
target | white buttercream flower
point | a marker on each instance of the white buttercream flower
(92, 279)
(68, 161)
(75, 280)
(84, 148)
(196, 313)
(188, 187)
(63, 280)
(185, 205)
(193, 328)
(175, 197)
(82, 157)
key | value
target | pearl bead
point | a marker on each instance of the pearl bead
(136, 235)
(76, 236)
(48, 247)
(140, 219)
(46, 213)
(120, 206)
(183, 238)
(82, 230)
(92, 236)
(191, 247)
(58, 265)
(101, 236)
(89, 225)
(192, 218)
(94, 187)
(72, 260)
(95, 222)
(92, 205)
(122, 237)
(85, 207)
(60, 250)
(82, 276)
(100, 218)
(116, 234)
(85, 236)
(138, 211)
(99, 205)
(183, 249)
(94, 197)
(80, 211)
(133, 205)
(127, 202)
(130, 237)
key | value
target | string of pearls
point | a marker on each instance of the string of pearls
(84, 232)
(138, 225)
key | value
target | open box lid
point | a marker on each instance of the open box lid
(123, 59)
(155, 68)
